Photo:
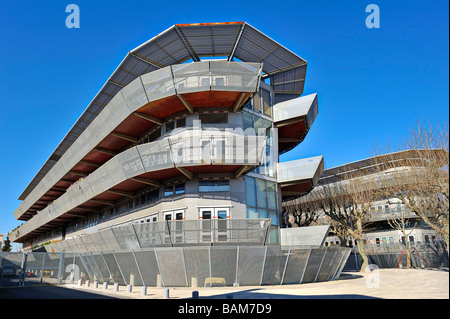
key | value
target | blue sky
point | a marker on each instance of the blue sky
(373, 84)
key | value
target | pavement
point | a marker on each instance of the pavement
(378, 284)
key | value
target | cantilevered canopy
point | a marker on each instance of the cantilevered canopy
(293, 119)
(297, 178)
(189, 42)
(415, 157)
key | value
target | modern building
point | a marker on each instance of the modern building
(188, 127)
(379, 235)
(172, 173)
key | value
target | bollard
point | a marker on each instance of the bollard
(96, 284)
(129, 288)
(158, 280)
(87, 283)
(144, 291)
(194, 282)
(80, 282)
(116, 286)
(105, 285)
(195, 294)
(166, 293)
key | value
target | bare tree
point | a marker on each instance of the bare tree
(400, 221)
(418, 176)
(303, 215)
(347, 204)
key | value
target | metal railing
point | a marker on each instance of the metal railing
(178, 266)
(173, 233)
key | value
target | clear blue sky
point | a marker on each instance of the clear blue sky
(372, 83)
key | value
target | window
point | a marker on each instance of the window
(213, 118)
(174, 189)
(168, 191)
(180, 189)
(266, 102)
(257, 102)
(170, 126)
(214, 186)
(152, 196)
(181, 122)
(261, 199)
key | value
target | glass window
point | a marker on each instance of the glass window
(274, 216)
(247, 120)
(214, 118)
(180, 189)
(261, 193)
(214, 186)
(152, 196)
(257, 102)
(262, 213)
(170, 126)
(181, 122)
(168, 190)
(266, 102)
(250, 191)
(272, 195)
(252, 213)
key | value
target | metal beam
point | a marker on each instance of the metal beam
(102, 201)
(76, 215)
(79, 173)
(146, 181)
(119, 192)
(241, 171)
(105, 151)
(91, 163)
(147, 60)
(148, 118)
(189, 107)
(239, 103)
(185, 172)
(125, 137)
(236, 43)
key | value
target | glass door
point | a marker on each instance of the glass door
(206, 215)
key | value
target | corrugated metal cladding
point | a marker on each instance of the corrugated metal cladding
(185, 42)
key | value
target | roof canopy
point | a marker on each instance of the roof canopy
(185, 43)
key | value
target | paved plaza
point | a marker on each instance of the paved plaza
(382, 283)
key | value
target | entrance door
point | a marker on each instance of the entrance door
(174, 226)
(214, 224)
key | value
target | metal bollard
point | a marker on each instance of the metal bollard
(129, 288)
(96, 284)
(105, 285)
(144, 291)
(80, 282)
(195, 294)
(116, 286)
(166, 293)
(87, 283)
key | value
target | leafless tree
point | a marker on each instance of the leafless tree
(400, 221)
(418, 175)
(302, 215)
(347, 204)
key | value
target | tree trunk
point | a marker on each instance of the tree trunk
(363, 256)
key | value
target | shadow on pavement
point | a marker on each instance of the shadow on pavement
(249, 294)
(48, 292)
